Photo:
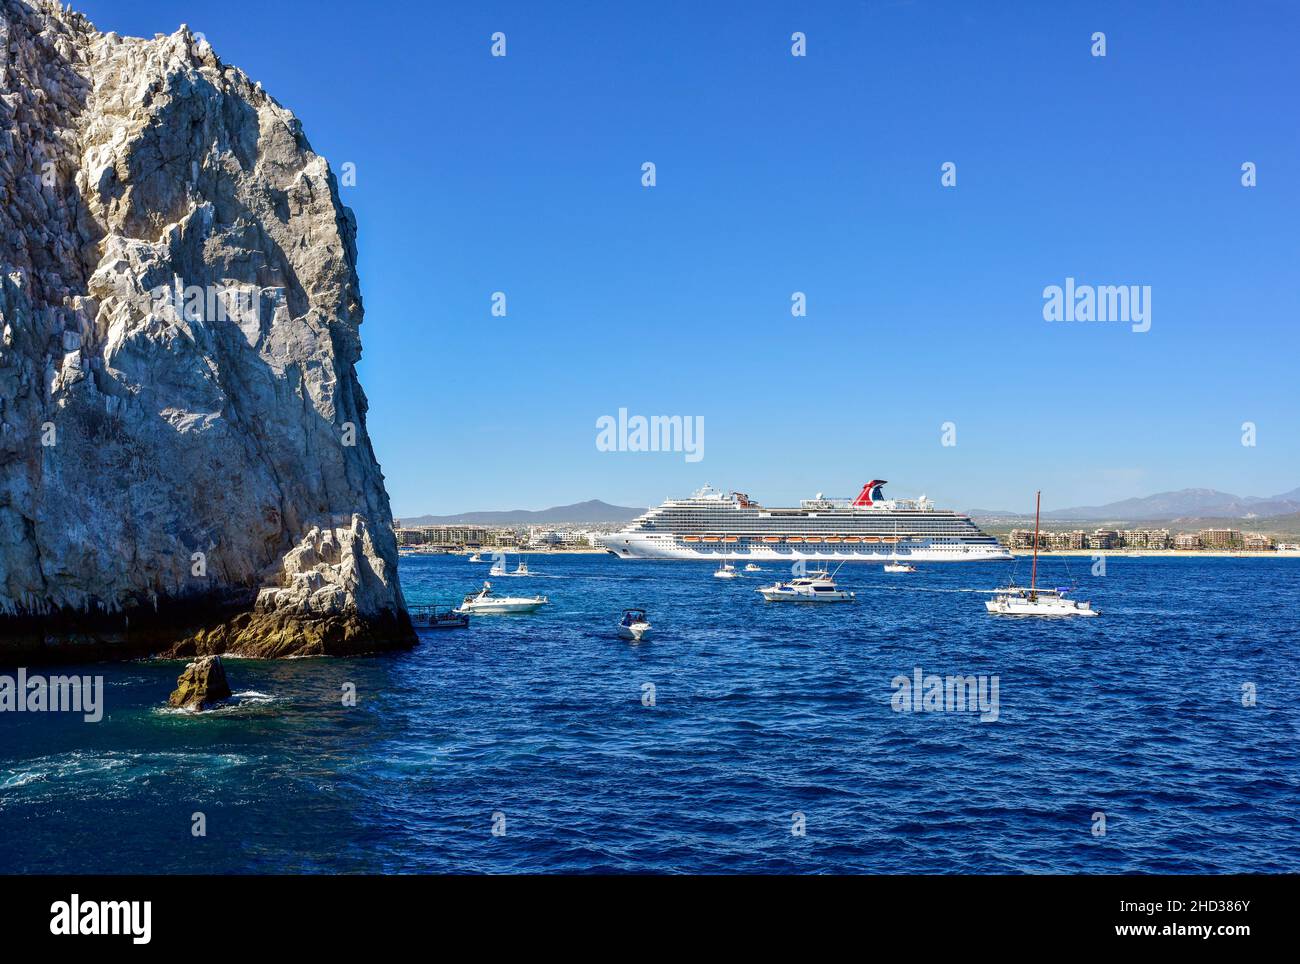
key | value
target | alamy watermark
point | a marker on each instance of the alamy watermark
(1130, 304)
(54, 694)
(207, 302)
(920, 693)
(656, 433)
(241, 304)
(77, 917)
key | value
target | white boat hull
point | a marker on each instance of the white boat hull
(1016, 607)
(637, 631)
(637, 545)
(772, 595)
(505, 605)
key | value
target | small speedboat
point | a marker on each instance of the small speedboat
(634, 624)
(485, 602)
(725, 571)
(521, 569)
(899, 567)
(814, 587)
(753, 568)
(437, 616)
(475, 558)
(498, 568)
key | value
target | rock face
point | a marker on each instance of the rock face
(184, 464)
(202, 684)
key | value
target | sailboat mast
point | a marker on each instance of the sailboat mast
(1033, 572)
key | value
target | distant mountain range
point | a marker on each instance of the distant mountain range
(591, 511)
(1199, 503)
(1182, 504)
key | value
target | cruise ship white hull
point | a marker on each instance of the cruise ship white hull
(638, 546)
(731, 527)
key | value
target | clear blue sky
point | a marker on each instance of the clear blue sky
(821, 174)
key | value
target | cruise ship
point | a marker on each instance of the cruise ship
(870, 528)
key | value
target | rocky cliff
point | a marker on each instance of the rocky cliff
(184, 464)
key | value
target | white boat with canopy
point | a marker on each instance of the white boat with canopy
(812, 587)
(484, 601)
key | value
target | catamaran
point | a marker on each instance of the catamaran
(1013, 600)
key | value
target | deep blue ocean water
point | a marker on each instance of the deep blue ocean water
(761, 711)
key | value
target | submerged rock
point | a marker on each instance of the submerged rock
(184, 464)
(202, 684)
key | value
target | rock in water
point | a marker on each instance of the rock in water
(184, 464)
(202, 684)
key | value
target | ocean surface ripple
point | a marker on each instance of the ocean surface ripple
(765, 717)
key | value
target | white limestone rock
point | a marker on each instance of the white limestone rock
(141, 425)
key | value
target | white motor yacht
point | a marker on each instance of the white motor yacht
(485, 602)
(753, 568)
(814, 587)
(1012, 600)
(475, 557)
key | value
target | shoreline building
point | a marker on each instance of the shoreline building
(1221, 538)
